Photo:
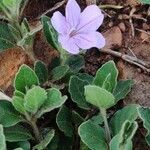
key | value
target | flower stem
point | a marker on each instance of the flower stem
(107, 130)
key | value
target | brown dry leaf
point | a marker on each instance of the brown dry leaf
(10, 61)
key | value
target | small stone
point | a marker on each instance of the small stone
(113, 38)
(122, 27)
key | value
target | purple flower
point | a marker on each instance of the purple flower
(78, 29)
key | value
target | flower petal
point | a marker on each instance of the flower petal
(89, 40)
(90, 19)
(59, 23)
(68, 44)
(73, 12)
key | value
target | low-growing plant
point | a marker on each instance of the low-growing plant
(89, 126)
(61, 107)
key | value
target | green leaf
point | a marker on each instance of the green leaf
(127, 113)
(106, 76)
(25, 145)
(122, 89)
(6, 37)
(54, 100)
(13, 6)
(53, 145)
(59, 72)
(2, 139)
(63, 120)
(97, 119)
(145, 1)
(76, 90)
(144, 114)
(93, 136)
(99, 97)
(75, 62)
(50, 33)
(76, 118)
(18, 103)
(17, 133)
(7, 111)
(123, 140)
(19, 94)
(86, 77)
(41, 71)
(43, 144)
(25, 79)
(34, 99)
(16, 34)
(25, 27)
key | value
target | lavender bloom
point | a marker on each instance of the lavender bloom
(78, 29)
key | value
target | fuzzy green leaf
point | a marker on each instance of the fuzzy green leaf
(64, 122)
(99, 97)
(76, 90)
(59, 72)
(144, 114)
(93, 136)
(6, 37)
(25, 79)
(18, 103)
(123, 140)
(122, 89)
(75, 62)
(50, 33)
(34, 99)
(127, 113)
(86, 77)
(8, 115)
(54, 100)
(17, 133)
(106, 76)
(41, 71)
(2, 139)
(43, 144)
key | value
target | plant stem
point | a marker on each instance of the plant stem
(107, 130)
(36, 131)
(32, 123)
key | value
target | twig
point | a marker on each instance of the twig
(130, 59)
(59, 4)
(131, 21)
(110, 6)
(142, 31)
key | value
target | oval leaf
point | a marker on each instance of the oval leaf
(25, 79)
(106, 76)
(99, 97)
(8, 115)
(34, 99)
(93, 136)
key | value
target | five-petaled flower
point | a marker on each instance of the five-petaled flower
(78, 29)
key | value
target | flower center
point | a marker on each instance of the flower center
(72, 32)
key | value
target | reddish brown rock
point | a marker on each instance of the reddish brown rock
(113, 38)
